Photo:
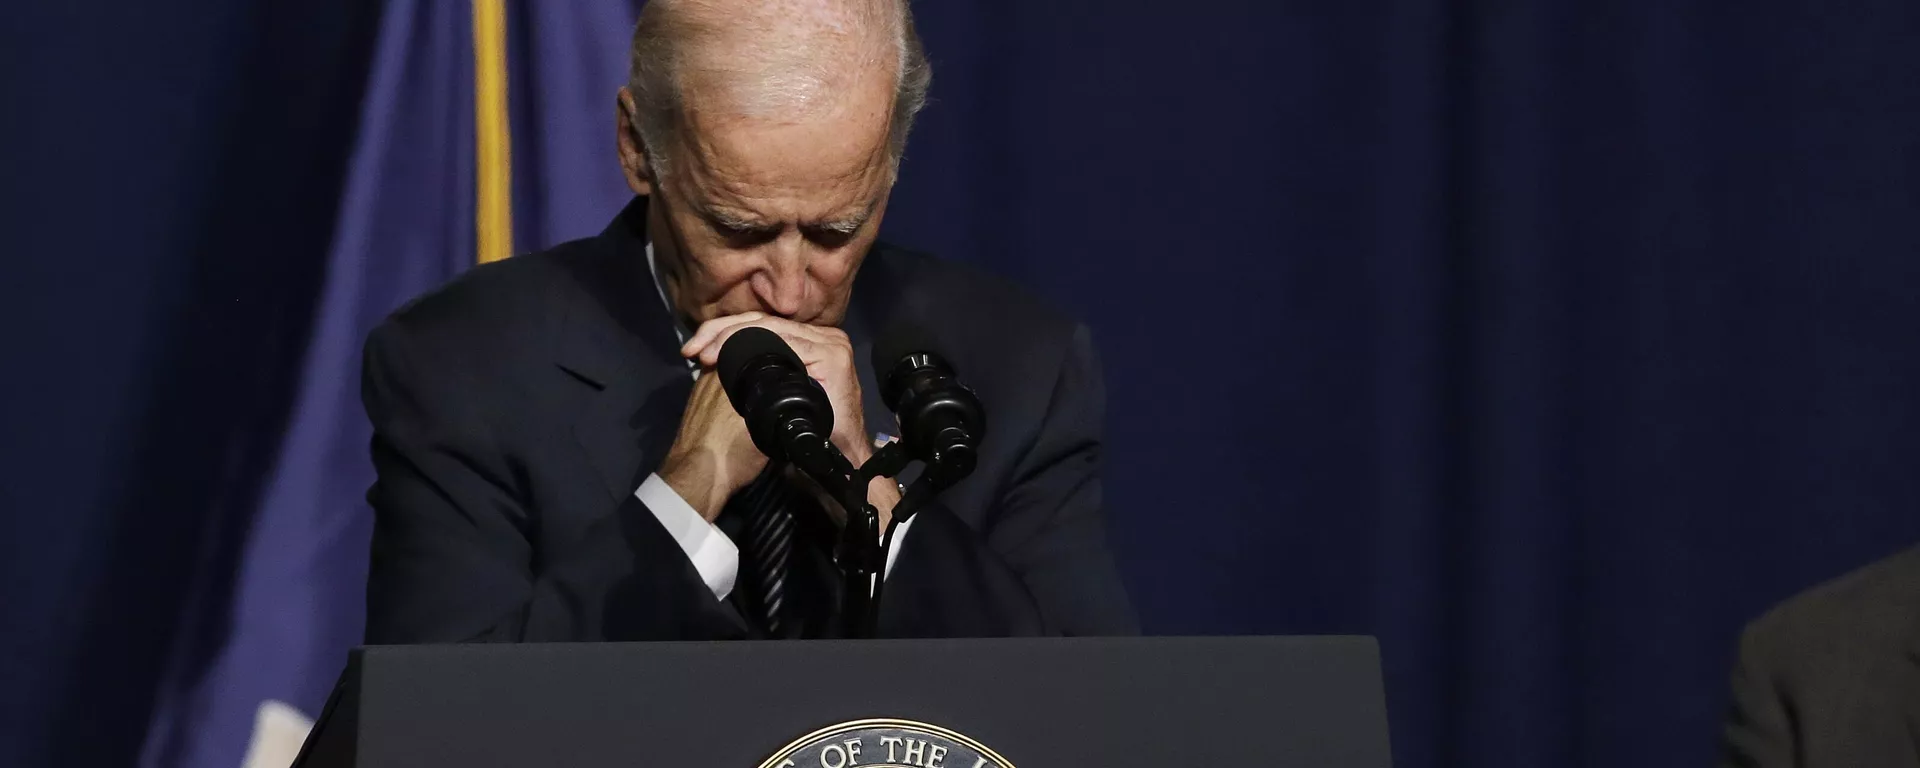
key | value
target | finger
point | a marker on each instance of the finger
(715, 330)
(709, 355)
(718, 332)
(825, 352)
(818, 359)
(796, 335)
(712, 332)
(790, 329)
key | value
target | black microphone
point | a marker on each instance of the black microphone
(787, 412)
(941, 420)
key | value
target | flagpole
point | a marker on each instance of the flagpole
(493, 169)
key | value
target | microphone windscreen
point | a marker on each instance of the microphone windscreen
(742, 348)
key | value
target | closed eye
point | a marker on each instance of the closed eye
(740, 235)
(830, 236)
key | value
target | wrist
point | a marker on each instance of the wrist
(857, 451)
(883, 493)
(698, 484)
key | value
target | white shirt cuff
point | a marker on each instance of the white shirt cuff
(712, 553)
(899, 540)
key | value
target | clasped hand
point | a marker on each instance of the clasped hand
(713, 456)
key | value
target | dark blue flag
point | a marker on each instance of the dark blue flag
(405, 225)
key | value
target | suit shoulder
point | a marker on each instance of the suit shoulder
(1868, 609)
(493, 307)
(986, 322)
(959, 289)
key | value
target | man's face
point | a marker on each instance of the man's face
(771, 215)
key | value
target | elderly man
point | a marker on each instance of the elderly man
(552, 465)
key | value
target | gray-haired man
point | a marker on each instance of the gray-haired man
(552, 465)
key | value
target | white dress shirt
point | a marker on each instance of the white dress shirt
(713, 554)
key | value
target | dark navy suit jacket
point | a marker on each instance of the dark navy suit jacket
(516, 410)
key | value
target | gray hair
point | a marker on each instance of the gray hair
(659, 50)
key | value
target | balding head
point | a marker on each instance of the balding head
(766, 135)
(781, 60)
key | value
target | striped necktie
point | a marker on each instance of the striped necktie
(767, 545)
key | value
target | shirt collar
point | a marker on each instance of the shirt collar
(660, 287)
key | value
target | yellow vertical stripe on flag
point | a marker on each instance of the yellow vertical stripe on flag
(493, 148)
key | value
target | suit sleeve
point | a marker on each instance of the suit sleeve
(1039, 564)
(1758, 732)
(452, 557)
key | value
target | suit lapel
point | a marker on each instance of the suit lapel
(629, 426)
(617, 338)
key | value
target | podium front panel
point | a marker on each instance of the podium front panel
(1038, 703)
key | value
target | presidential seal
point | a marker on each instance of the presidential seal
(885, 743)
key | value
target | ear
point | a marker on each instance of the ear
(633, 156)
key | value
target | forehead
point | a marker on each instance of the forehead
(806, 160)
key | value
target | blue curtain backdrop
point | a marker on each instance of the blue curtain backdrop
(405, 225)
(1547, 341)
(172, 174)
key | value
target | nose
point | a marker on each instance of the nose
(781, 285)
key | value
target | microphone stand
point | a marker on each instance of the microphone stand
(915, 497)
(862, 551)
(858, 549)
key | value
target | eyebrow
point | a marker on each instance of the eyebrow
(730, 219)
(849, 224)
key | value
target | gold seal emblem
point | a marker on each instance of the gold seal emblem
(885, 743)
